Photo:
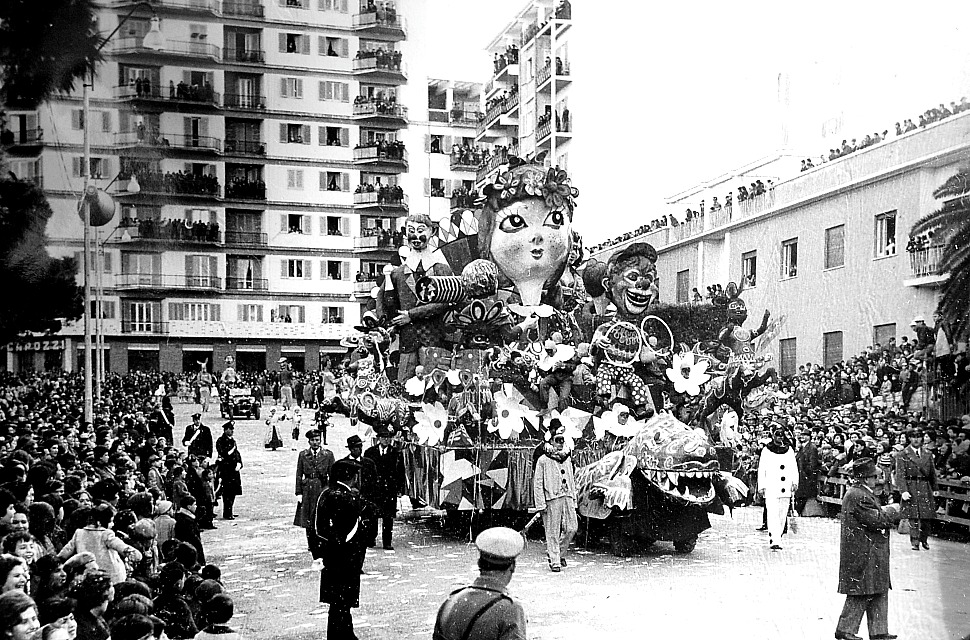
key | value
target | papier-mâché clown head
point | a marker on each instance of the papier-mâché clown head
(418, 228)
(525, 227)
(630, 281)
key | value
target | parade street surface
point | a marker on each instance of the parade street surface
(731, 586)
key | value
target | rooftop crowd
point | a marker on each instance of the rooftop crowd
(102, 523)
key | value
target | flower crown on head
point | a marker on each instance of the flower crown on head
(525, 180)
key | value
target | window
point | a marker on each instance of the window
(288, 313)
(333, 47)
(335, 270)
(334, 181)
(104, 117)
(334, 91)
(294, 43)
(292, 133)
(250, 313)
(437, 188)
(291, 87)
(683, 286)
(789, 258)
(98, 167)
(198, 311)
(107, 309)
(749, 269)
(788, 365)
(294, 179)
(339, 6)
(296, 269)
(831, 348)
(105, 262)
(295, 223)
(336, 226)
(333, 315)
(294, 4)
(835, 247)
(333, 136)
(885, 235)
(883, 333)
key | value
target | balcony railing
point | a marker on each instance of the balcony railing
(388, 20)
(24, 136)
(544, 74)
(159, 281)
(177, 183)
(493, 162)
(210, 6)
(464, 117)
(145, 327)
(397, 155)
(926, 262)
(232, 54)
(246, 189)
(465, 160)
(175, 93)
(380, 108)
(176, 47)
(387, 63)
(463, 201)
(498, 108)
(248, 147)
(382, 199)
(242, 8)
(235, 283)
(364, 287)
(170, 231)
(247, 238)
(543, 129)
(151, 139)
(245, 101)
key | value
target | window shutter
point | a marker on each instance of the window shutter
(125, 263)
(106, 262)
(106, 121)
(427, 186)
(187, 126)
(190, 266)
(321, 45)
(203, 127)
(307, 269)
(323, 269)
(172, 312)
(283, 88)
(259, 313)
(343, 6)
(344, 92)
(305, 44)
(213, 267)
(306, 223)
(156, 263)
(345, 136)
(282, 132)
(344, 48)
(302, 312)
(446, 146)
(305, 129)
(283, 271)
(345, 181)
(321, 136)
(427, 143)
(345, 270)
(299, 88)
(215, 312)
(299, 178)
(323, 183)
(345, 225)
(285, 227)
(323, 90)
(78, 167)
(282, 41)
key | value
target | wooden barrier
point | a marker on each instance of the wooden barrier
(954, 498)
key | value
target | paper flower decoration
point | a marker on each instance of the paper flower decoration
(416, 386)
(687, 373)
(432, 420)
(617, 421)
(509, 412)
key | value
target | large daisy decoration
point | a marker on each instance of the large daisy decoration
(688, 373)
(618, 422)
(509, 412)
(432, 420)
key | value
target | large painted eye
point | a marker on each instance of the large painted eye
(555, 219)
(513, 223)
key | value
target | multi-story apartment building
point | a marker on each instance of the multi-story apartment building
(526, 102)
(826, 248)
(251, 157)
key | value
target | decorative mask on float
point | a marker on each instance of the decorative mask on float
(525, 227)
(418, 229)
(631, 280)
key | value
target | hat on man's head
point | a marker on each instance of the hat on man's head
(354, 441)
(863, 468)
(163, 506)
(312, 433)
(196, 415)
(499, 545)
(229, 425)
(917, 319)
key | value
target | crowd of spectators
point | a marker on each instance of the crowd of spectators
(466, 155)
(393, 150)
(103, 522)
(499, 103)
(241, 187)
(177, 182)
(172, 229)
(385, 193)
(920, 242)
(502, 60)
(390, 60)
(383, 104)
(386, 11)
(385, 237)
(191, 92)
(464, 198)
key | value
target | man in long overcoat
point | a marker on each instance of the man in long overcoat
(809, 465)
(340, 537)
(916, 482)
(228, 464)
(198, 438)
(864, 556)
(389, 464)
(313, 467)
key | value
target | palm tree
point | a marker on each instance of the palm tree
(45, 47)
(952, 222)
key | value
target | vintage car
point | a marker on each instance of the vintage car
(239, 403)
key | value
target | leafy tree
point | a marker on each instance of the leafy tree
(39, 290)
(952, 223)
(45, 47)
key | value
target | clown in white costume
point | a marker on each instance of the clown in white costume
(777, 482)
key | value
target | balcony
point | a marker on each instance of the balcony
(235, 283)
(384, 112)
(467, 160)
(924, 267)
(237, 329)
(184, 95)
(392, 199)
(244, 56)
(485, 170)
(245, 147)
(179, 231)
(144, 327)
(182, 49)
(242, 8)
(159, 281)
(168, 141)
(362, 288)
(380, 66)
(183, 184)
(544, 129)
(383, 243)
(178, 6)
(22, 140)
(545, 74)
(245, 102)
(392, 156)
(493, 117)
(242, 189)
(381, 22)
(246, 238)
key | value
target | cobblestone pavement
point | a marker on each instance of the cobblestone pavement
(731, 586)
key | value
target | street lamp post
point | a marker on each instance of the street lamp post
(152, 40)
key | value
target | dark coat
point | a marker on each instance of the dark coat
(917, 475)
(187, 530)
(864, 544)
(337, 519)
(202, 445)
(389, 480)
(809, 466)
(311, 478)
(228, 465)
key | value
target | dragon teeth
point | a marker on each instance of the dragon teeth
(673, 477)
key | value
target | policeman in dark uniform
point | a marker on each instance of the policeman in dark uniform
(485, 609)
(198, 438)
